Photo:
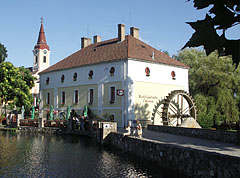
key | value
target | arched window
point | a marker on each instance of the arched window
(112, 70)
(75, 76)
(36, 59)
(62, 78)
(90, 74)
(47, 80)
(147, 71)
(44, 59)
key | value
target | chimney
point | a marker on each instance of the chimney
(85, 42)
(134, 32)
(121, 32)
(96, 39)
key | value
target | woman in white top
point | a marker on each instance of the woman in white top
(139, 129)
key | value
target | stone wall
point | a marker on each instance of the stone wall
(188, 161)
(49, 130)
(223, 136)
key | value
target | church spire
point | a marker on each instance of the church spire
(41, 43)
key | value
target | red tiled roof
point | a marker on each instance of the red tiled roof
(112, 50)
(41, 43)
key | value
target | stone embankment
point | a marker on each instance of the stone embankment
(189, 161)
(218, 135)
(48, 130)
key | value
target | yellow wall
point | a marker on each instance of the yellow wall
(106, 95)
(117, 113)
(44, 96)
(82, 96)
(146, 96)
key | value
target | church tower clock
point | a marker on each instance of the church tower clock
(41, 52)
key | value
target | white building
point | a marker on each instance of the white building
(41, 61)
(123, 77)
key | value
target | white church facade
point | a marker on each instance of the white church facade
(123, 77)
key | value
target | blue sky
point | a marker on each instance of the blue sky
(161, 23)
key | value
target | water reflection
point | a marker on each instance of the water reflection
(28, 155)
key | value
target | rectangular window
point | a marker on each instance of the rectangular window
(112, 94)
(75, 97)
(90, 96)
(48, 98)
(112, 117)
(63, 98)
(44, 59)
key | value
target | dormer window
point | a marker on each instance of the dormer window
(62, 78)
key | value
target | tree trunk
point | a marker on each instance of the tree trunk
(1, 104)
(0, 110)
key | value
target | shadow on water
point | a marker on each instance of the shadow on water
(39, 155)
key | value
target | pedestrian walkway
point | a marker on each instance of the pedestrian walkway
(191, 142)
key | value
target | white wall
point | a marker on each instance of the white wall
(100, 75)
(127, 72)
(160, 76)
(159, 73)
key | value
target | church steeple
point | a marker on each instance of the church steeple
(41, 43)
(41, 52)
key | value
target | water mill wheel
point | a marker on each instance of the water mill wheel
(175, 109)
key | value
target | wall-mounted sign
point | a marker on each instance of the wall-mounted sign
(120, 92)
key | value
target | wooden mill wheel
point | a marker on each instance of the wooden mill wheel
(174, 109)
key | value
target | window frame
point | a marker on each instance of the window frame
(63, 97)
(90, 96)
(44, 59)
(112, 99)
(48, 98)
(114, 116)
(74, 96)
(36, 59)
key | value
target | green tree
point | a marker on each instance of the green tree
(222, 15)
(15, 85)
(3, 53)
(165, 52)
(214, 84)
(27, 76)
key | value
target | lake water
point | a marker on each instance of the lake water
(37, 155)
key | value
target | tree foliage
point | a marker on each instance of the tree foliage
(3, 53)
(214, 84)
(15, 85)
(222, 15)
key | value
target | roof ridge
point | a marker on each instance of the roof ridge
(113, 50)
